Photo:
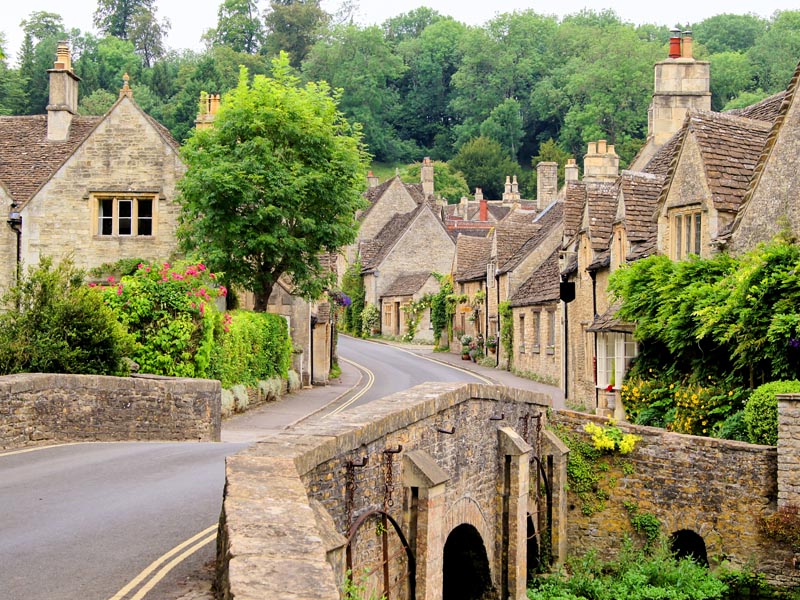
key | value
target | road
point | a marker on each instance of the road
(81, 521)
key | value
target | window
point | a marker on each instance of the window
(125, 216)
(687, 229)
(615, 351)
(522, 333)
(551, 331)
(537, 331)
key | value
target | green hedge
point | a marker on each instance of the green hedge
(255, 347)
(761, 411)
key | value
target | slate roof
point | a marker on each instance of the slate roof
(374, 194)
(575, 200)
(552, 217)
(640, 193)
(512, 233)
(601, 199)
(609, 322)
(373, 251)
(766, 110)
(472, 256)
(730, 147)
(661, 161)
(27, 159)
(542, 287)
(407, 284)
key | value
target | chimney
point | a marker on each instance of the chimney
(681, 84)
(484, 210)
(686, 45)
(507, 189)
(674, 43)
(570, 171)
(601, 163)
(209, 104)
(515, 186)
(478, 194)
(372, 180)
(63, 104)
(426, 175)
(463, 208)
(546, 183)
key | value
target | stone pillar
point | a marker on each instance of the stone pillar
(421, 472)
(788, 449)
(570, 171)
(426, 176)
(372, 180)
(553, 447)
(601, 162)
(517, 449)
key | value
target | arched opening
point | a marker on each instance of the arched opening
(533, 565)
(466, 573)
(686, 543)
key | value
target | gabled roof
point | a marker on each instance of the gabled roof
(407, 284)
(601, 204)
(374, 194)
(766, 110)
(373, 251)
(661, 161)
(608, 321)
(575, 200)
(542, 287)
(472, 256)
(730, 147)
(28, 159)
(640, 192)
(512, 233)
(548, 220)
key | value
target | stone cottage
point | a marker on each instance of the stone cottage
(97, 188)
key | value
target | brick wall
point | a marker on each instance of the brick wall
(38, 408)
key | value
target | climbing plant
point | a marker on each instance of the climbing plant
(441, 317)
(506, 331)
(414, 311)
(353, 287)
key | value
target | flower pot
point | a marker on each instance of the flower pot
(465, 357)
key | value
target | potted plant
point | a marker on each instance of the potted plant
(466, 340)
(491, 344)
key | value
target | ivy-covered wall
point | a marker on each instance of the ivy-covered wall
(718, 489)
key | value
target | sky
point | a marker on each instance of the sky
(190, 18)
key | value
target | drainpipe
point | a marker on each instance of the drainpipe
(312, 321)
(593, 275)
(15, 222)
(497, 293)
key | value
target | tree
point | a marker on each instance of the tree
(550, 151)
(504, 125)
(293, 26)
(133, 20)
(147, 35)
(410, 24)
(485, 164)
(238, 26)
(275, 182)
(774, 55)
(729, 33)
(731, 74)
(447, 182)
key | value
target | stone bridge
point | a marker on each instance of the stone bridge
(455, 491)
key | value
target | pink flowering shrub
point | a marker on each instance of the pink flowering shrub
(170, 310)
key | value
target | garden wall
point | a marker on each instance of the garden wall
(718, 489)
(37, 408)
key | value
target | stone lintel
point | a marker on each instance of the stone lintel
(422, 471)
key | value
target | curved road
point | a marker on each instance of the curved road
(81, 521)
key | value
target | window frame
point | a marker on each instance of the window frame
(687, 232)
(137, 218)
(615, 351)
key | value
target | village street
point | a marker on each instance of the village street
(82, 521)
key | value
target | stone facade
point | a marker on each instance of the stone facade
(460, 455)
(39, 408)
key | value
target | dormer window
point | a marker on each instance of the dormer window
(125, 215)
(687, 226)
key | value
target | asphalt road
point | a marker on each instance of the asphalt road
(79, 522)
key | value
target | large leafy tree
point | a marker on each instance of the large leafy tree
(293, 26)
(133, 20)
(485, 164)
(275, 182)
(239, 26)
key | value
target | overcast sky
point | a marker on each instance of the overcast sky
(190, 18)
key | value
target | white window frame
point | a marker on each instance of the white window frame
(687, 229)
(615, 351)
(107, 226)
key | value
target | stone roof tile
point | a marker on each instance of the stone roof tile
(601, 199)
(542, 287)
(407, 284)
(640, 192)
(552, 217)
(472, 256)
(766, 110)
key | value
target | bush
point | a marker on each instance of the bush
(58, 325)
(761, 411)
(255, 347)
(370, 320)
(170, 311)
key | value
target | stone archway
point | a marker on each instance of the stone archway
(466, 572)
(686, 543)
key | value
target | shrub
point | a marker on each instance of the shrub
(170, 311)
(761, 411)
(255, 347)
(370, 319)
(58, 325)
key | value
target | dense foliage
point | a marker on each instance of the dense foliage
(353, 287)
(761, 411)
(422, 83)
(254, 347)
(273, 185)
(710, 330)
(55, 324)
(170, 311)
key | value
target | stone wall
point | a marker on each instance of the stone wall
(716, 488)
(292, 498)
(39, 408)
